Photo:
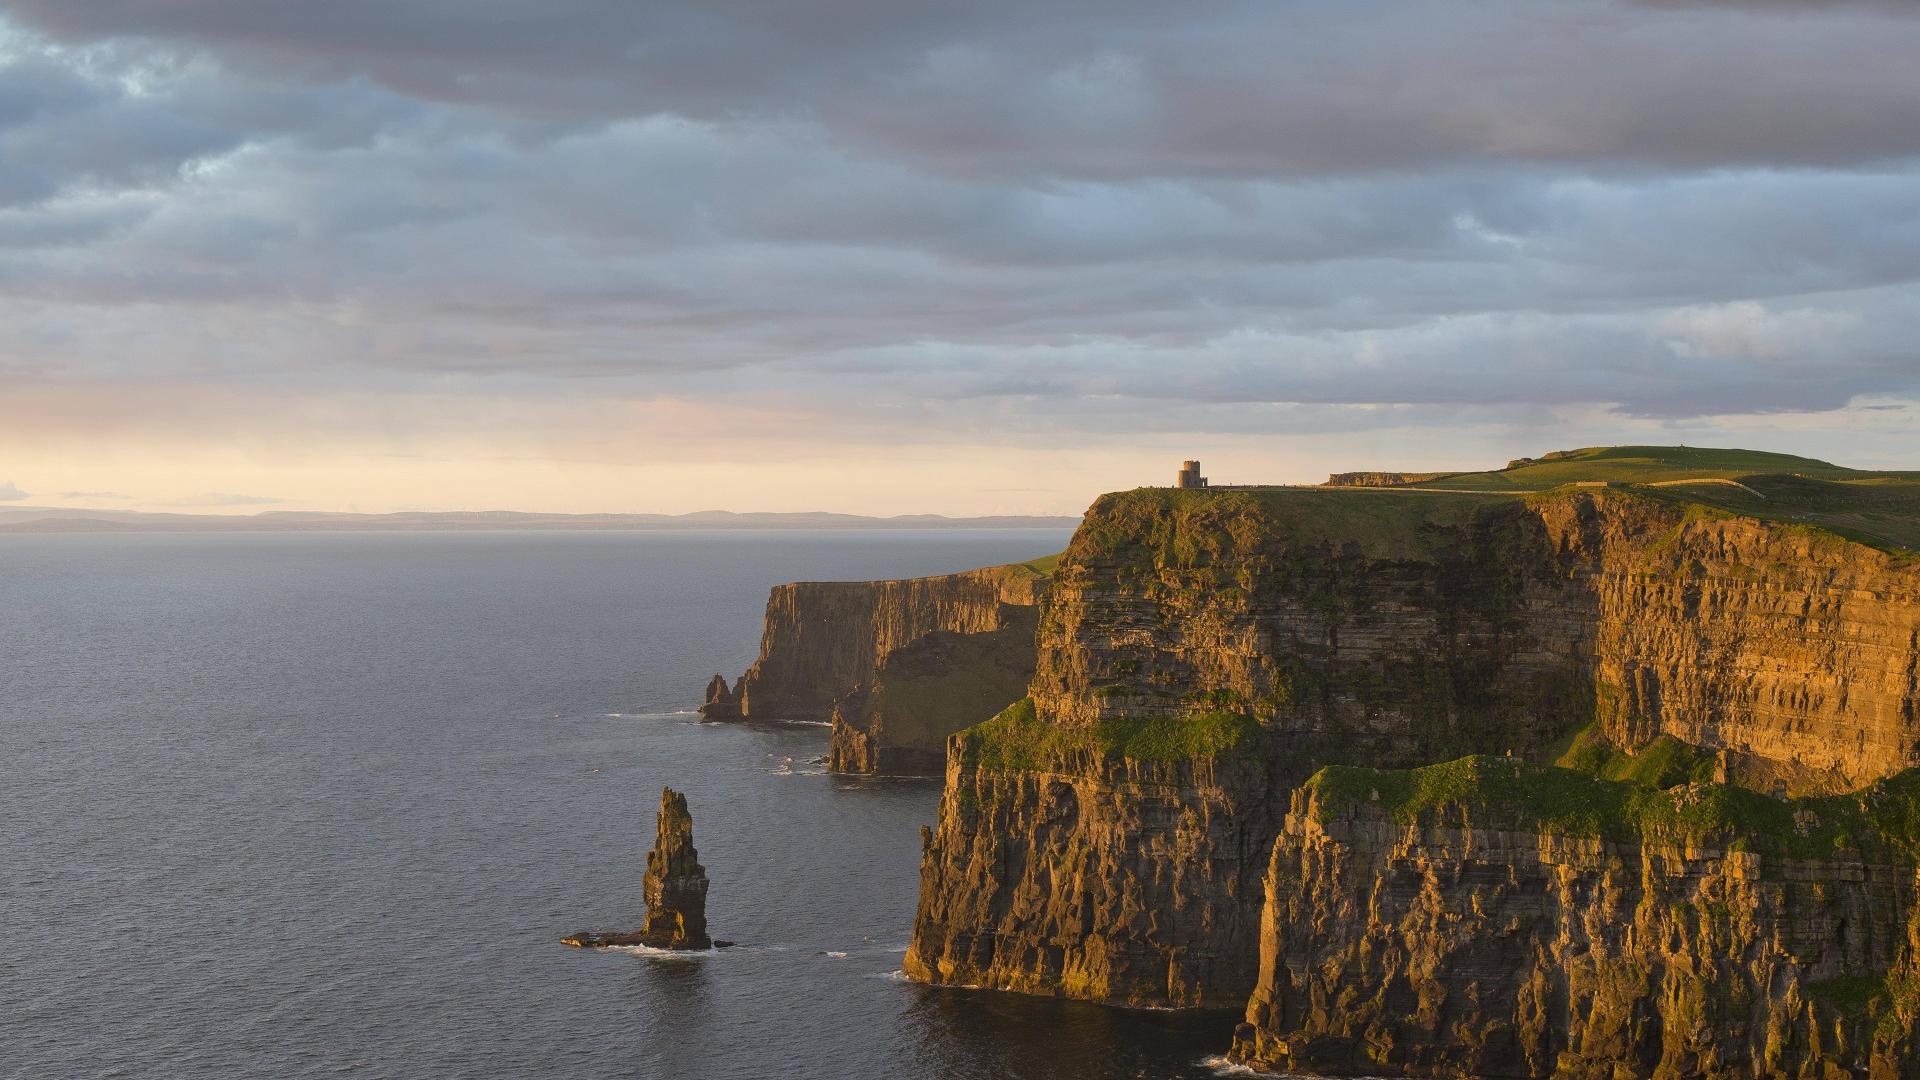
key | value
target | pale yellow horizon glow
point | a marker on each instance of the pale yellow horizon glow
(221, 451)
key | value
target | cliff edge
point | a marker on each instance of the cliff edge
(1203, 653)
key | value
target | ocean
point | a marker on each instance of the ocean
(321, 805)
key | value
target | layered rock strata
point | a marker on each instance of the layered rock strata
(825, 639)
(1126, 866)
(1794, 651)
(925, 691)
(1092, 847)
(1700, 932)
(896, 666)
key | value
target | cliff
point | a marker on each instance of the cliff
(1202, 653)
(1791, 649)
(825, 639)
(924, 691)
(897, 666)
(1487, 917)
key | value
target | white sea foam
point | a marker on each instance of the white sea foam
(1220, 1066)
(659, 954)
(833, 954)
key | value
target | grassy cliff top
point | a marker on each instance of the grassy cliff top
(1414, 521)
(1042, 567)
(1196, 526)
(1879, 509)
(1881, 821)
(1017, 739)
(1638, 465)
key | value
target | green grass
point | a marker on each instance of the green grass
(1018, 739)
(1879, 821)
(1878, 509)
(1893, 998)
(1196, 528)
(1663, 763)
(1202, 527)
(1850, 994)
(1638, 465)
(1042, 567)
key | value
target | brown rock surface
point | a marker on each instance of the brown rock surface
(825, 639)
(927, 690)
(675, 888)
(897, 666)
(1382, 628)
(1450, 945)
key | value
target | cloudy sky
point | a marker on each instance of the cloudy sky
(885, 256)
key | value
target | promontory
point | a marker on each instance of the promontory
(1600, 765)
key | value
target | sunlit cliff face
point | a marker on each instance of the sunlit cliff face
(889, 258)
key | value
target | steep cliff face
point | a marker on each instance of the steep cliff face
(1793, 650)
(1491, 918)
(928, 689)
(825, 639)
(1077, 869)
(1201, 654)
(1100, 845)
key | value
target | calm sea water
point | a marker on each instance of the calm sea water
(322, 805)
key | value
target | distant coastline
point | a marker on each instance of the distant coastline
(44, 519)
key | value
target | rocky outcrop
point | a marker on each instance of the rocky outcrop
(675, 888)
(722, 701)
(1467, 923)
(1096, 849)
(676, 883)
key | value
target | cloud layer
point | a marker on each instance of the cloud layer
(376, 228)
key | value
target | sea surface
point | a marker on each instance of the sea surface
(319, 805)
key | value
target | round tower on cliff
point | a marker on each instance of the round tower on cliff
(1189, 476)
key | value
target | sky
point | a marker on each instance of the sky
(885, 256)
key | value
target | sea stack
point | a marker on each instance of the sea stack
(723, 702)
(675, 888)
(676, 883)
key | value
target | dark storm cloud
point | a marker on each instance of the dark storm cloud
(974, 215)
(1118, 90)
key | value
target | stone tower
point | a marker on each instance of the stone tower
(1190, 476)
